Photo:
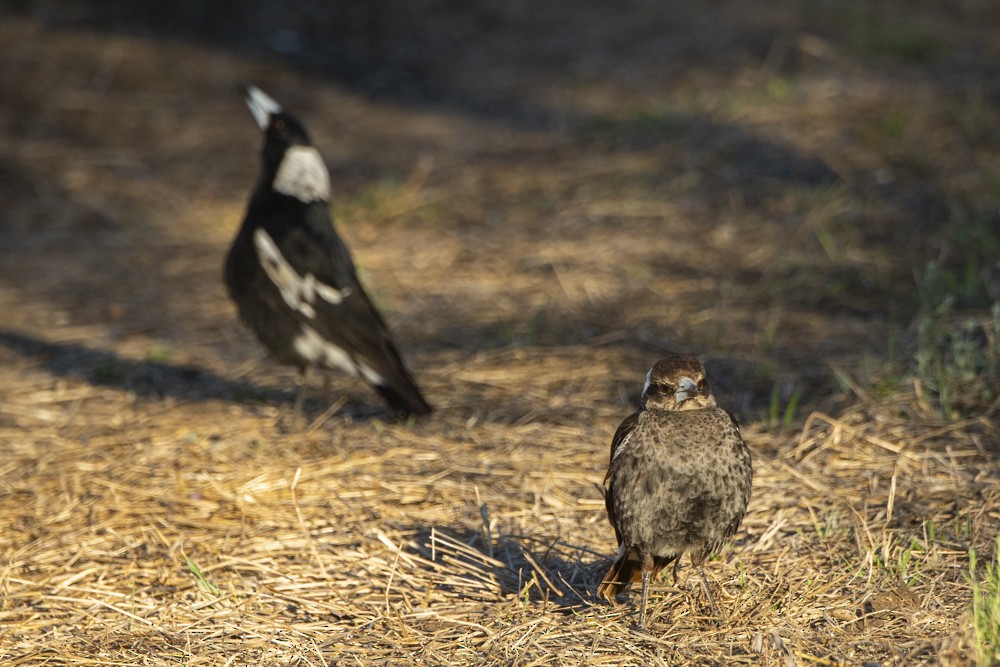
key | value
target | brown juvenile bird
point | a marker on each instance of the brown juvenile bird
(678, 481)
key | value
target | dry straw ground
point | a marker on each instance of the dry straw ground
(543, 200)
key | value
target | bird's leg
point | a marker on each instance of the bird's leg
(708, 592)
(326, 386)
(300, 398)
(333, 405)
(642, 600)
(647, 569)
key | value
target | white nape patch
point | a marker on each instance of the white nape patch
(297, 291)
(261, 106)
(303, 175)
(321, 352)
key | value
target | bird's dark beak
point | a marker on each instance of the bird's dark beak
(261, 105)
(686, 390)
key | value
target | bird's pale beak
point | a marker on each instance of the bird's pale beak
(261, 105)
(686, 390)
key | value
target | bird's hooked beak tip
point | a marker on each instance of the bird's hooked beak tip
(262, 106)
(686, 390)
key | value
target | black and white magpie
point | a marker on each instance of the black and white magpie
(292, 277)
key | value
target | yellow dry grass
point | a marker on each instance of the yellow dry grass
(207, 536)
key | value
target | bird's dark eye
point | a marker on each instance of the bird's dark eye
(662, 389)
(279, 125)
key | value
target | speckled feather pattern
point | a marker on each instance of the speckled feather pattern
(679, 478)
(681, 483)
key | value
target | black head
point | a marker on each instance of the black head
(280, 129)
(677, 382)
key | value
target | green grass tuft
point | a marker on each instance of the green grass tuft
(641, 126)
(782, 417)
(958, 329)
(957, 360)
(986, 608)
(159, 354)
(203, 582)
(875, 34)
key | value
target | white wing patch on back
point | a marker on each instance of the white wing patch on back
(621, 446)
(369, 374)
(303, 175)
(327, 293)
(321, 352)
(297, 291)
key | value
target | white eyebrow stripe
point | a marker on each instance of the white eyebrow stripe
(649, 379)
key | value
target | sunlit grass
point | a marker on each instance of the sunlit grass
(986, 607)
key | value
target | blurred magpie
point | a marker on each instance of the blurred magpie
(292, 277)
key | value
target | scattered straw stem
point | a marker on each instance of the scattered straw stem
(302, 524)
(392, 573)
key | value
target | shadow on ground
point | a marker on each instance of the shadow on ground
(146, 378)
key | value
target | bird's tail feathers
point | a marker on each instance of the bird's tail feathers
(627, 569)
(404, 398)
